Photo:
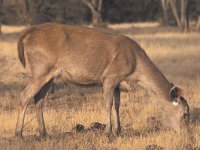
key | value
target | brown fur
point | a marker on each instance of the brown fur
(83, 55)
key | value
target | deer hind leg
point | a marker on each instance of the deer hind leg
(29, 92)
(38, 99)
(117, 127)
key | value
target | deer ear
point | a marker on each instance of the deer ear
(175, 92)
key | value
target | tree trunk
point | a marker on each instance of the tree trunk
(1, 6)
(96, 10)
(165, 14)
(198, 24)
(184, 16)
(26, 7)
(26, 10)
(96, 17)
(175, 12)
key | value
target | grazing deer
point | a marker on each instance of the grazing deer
(84, 56)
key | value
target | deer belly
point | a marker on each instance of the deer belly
(79, 76)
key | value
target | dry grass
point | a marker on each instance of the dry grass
(176, 54)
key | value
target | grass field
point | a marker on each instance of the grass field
(177, 55)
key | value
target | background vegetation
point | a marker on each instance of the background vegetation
(76, 11)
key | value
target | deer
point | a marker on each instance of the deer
(83, 55)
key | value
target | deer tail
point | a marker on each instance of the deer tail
(20, 45)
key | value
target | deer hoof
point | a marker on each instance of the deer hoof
(117, 132)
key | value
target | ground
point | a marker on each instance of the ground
(176, 54)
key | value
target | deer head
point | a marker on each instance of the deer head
(177, 113)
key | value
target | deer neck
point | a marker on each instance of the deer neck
(151, 77)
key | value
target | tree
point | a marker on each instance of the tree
(165, 6)
(31, 8)
(26, 10)
(173, 4)
(96, 9)
(198, 24)
(39, 4)
(182, 16)
(1, 6)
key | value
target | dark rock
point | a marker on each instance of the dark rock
(79, 128)
(97, 126)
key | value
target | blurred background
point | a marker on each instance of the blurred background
(168, 31)
(100, 12)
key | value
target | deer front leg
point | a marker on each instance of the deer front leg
(109, 104)
(108, 93)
